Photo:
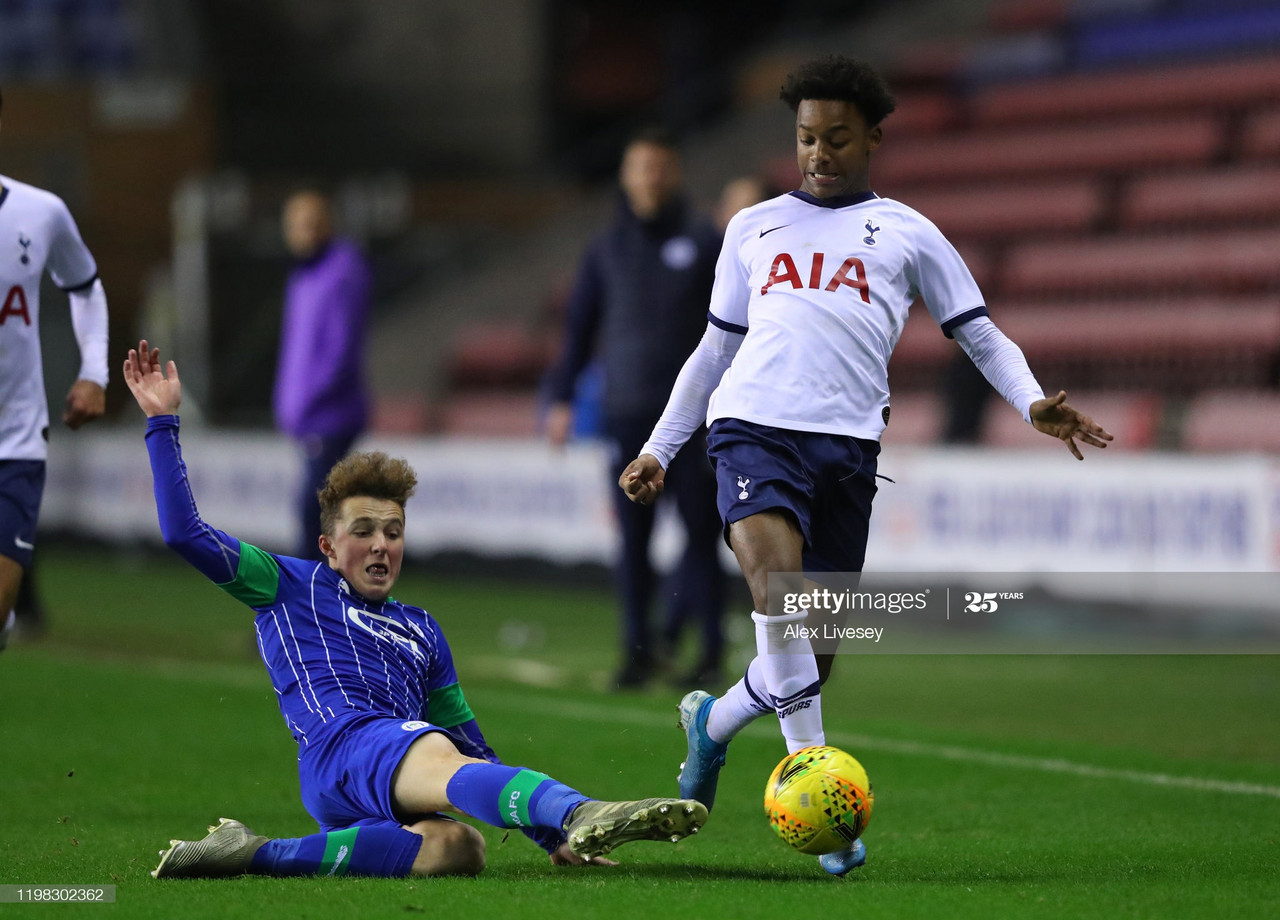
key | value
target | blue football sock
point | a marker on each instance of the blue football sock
(385, 850)
(511, 796)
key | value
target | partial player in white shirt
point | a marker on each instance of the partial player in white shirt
(38, 234)
(811, 295)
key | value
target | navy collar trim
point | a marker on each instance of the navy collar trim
(4, 193)
(839, 201)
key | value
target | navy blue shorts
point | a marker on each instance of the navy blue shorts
(21, 487)
(346, 773)
(827, 481)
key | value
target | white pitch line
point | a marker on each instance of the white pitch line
(852, 741)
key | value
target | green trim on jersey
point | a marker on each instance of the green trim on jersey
(257, 577)
(447, 707)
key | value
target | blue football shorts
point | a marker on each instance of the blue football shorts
(826, 481)
(21, 487)
(346, 772)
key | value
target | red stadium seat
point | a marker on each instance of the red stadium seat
(1013, 209)
(1026, 15)
(498, 354)
(1234, 260)
(1134, 419)
(1262, 135)
(1237, 194)
(493, 414)
(1233, 421)
(923, 113)
(1081, 149)
(1108, 93)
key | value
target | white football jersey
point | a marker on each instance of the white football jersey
(37, 233)
(821, 289)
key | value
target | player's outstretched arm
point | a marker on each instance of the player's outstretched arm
(1058, 419)
(643, 479)
(156, 394)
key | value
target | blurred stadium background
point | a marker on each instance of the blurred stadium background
(1109, 168)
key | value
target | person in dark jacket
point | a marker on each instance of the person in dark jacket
(639, 307)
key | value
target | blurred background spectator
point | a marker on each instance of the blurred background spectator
(320, 398)
(640, 303)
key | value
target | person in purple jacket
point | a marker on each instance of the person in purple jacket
(320, 399)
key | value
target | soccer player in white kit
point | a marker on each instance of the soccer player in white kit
(811, 294)
(38, 234)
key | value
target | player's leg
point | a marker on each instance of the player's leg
(21, 488)
(434, 845)
(767, 542)
(434, 777)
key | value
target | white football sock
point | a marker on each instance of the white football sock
(6, 629)
(741, 704)
(791, 673)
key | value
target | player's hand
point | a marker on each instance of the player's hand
(156, 393)
(566, 857)
(85, 402)
(643, 479)
(559, 423)
(1056, 418)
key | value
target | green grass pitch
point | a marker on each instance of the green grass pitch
(1005, 786)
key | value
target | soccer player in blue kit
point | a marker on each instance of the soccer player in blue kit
(386, 741)
(791, 376)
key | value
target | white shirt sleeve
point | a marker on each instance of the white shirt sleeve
(940, 277)
(1001, 362)
(89, 322)
(731, 293)
(687, 408)
(70, 263)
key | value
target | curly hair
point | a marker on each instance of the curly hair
(370, 475)
(842, 79)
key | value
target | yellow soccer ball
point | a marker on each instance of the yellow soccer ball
(818, 800)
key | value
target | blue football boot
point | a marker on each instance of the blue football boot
(701, 768)
(841, 862)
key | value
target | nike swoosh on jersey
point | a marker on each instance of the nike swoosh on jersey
(764, 233)
(23, 544)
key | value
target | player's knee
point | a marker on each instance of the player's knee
(448, 848)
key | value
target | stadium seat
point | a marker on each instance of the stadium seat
(1177, 35)
(1237, 194)
(1012, 16)
(1134, 419)
(1146, 91)
(1010, 209)
(1233, 421)
(1080, 149)
(922, 112)
(1261, 137)
(492, 414)
(498, 355)
(1231, 260)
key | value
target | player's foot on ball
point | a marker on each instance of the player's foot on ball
(841, 862)
(701, 768)
(227, 850)
(595, 828)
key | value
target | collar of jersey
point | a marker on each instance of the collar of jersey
(839, 201)
(343, 584)
(4, 193)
